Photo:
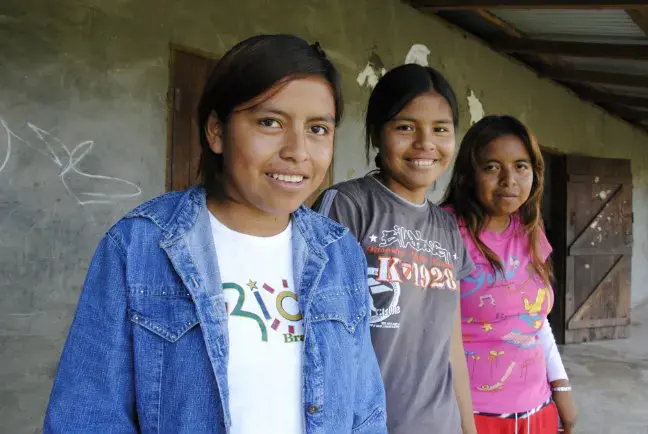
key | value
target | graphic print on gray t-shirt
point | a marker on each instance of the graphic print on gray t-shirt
(416, 258)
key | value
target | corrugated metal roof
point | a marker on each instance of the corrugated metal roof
(590, 26)
(620, 66)
(546, 23)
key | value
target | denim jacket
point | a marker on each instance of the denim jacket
(148, 347)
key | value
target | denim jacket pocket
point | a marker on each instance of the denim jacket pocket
(345, 305)
(167, 312)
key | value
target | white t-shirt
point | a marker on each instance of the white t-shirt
(266, 331)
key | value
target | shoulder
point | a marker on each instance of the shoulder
(155, 217)
(354, 186)
(353, 190)
(335, 239)
(446, 217)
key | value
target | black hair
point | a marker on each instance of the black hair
(246, 71)
(462, 189)
(395, 90)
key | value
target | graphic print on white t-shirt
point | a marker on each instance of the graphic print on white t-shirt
(266, 331)
(272, 306)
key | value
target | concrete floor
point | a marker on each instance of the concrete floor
(610, 381)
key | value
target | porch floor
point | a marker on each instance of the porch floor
(610, 381)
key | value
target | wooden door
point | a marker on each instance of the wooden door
(599, 248)
(189, 72)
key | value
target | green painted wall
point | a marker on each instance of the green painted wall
(98, 70)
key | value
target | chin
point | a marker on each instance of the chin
(281, 208)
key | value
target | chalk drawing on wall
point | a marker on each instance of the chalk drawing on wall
(372, 72)
(476, 108)
(68, 159)
(7, 149)
(418, 54)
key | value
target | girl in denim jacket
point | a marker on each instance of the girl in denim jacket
(230, 307)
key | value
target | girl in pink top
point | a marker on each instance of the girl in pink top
(514, 366)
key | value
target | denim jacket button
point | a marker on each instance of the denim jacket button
(313, 409)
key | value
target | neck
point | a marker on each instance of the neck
(498, 224)
(246, 219)
(415, 196)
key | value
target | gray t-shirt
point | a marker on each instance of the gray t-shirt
(416, 259)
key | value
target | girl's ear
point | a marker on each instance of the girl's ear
(214, 132)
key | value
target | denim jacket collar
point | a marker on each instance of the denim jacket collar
(189, 244)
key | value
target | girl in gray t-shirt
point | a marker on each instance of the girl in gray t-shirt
(414, 251)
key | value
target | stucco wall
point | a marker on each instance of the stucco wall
(89, 75)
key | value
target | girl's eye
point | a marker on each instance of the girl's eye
(319, 130)
(441, 130)
(490, 168)
(523, 167)
(404, 128)
(269, 123)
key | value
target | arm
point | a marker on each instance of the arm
(370, 391)
(555, 367)
(557, 377)
(94, 388)
(461, 381)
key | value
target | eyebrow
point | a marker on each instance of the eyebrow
(323, 118)
(409, 119)
(493, 160)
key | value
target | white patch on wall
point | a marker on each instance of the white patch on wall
(476, 108)
(368, 76)
(418, 54)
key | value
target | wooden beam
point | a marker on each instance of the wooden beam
(559, 74)
(628, 113)
(578, 49)
(640, 17)
(610, 98)
(528, 4)
(510, 30)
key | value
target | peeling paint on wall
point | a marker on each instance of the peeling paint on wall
(418, 54)
(476, 108)
(368, 76)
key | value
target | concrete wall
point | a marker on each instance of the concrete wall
(83, 106)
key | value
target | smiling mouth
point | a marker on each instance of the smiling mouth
(291, 179)
(421, 162)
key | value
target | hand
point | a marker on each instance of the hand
(566, 410)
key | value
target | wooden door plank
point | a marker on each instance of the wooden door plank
(601, 322)
(597, 293)
(605, 231)
(594, 179)
(597, 251)
(587, 226)
(596, 334)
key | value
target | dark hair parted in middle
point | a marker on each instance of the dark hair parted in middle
(462, 191)
(248, 70)
(395, 90)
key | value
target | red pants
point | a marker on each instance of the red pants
(543, 422)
